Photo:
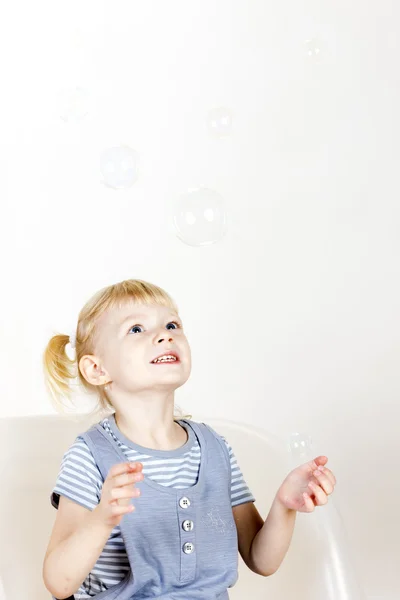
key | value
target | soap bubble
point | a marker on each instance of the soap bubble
(336, 578)
(119, 167)
(313, 50)
(74, 104)
(300, 445)
(200, 217)
(220, 122)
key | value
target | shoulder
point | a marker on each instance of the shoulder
(79, 450)
(226, 445)
(85, 436)
(221, 439)
(215, 433)
(80, 460)
(79, 478)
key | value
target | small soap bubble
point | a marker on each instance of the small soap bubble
(220, 122)
(300, 446)
(200, 217)
(314, 51)
(119, 167)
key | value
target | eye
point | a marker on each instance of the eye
(177, 325)
(135, 327)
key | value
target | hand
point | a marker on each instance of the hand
(118, 489)
(307, 486)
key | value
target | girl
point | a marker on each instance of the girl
(151, 505)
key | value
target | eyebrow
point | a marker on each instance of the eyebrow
(142, 316)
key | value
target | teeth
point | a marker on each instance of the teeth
(165, 359)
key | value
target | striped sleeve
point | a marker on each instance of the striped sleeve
(79, 478)
(240, 492)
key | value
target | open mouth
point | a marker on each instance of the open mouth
(165, 359)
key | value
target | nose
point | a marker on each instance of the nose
(168, 337)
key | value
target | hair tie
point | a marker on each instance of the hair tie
(72, 340)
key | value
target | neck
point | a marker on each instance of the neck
(151, 423)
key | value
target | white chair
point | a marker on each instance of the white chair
(31, 453)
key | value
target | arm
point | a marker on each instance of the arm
(79, 535)
(263, 545)
(76, 543)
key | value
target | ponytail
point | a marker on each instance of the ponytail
(59, 369)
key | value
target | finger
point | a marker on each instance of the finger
(127, 479)
(308, 503)
(136, 466)
(121, 493)
(320, 461)
(324, 481)
(320, 496)
(125, 467)
(329, 474)
(117, 510)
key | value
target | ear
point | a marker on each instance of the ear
(92, 371)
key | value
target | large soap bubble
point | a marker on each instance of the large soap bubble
(200, 217)
(335, 577)
(119, 167)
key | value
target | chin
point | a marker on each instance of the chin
(173, 382)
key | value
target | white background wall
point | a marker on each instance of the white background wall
(293, 316)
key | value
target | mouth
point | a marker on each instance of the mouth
(166, 358)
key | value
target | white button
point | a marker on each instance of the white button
(188, 525)
(184, 502)
(188, 548)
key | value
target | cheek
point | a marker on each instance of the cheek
(127, 355)
(188, 352)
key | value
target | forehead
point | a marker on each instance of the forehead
(117, 314)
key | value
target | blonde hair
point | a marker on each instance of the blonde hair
(60, 370)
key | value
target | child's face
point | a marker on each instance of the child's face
(131, 337)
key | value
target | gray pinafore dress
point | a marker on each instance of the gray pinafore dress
(181, 544)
